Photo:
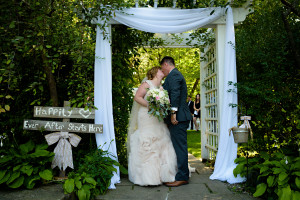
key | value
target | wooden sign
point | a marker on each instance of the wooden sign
(62, 126)
(61, 112)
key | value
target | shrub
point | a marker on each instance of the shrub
(277, 173)
(26, 165)
(93, 176)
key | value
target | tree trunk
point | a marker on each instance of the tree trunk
(51, 79)
(195, 85)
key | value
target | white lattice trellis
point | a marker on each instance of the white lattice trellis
(209, 101)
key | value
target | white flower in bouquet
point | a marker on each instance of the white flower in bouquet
(159, 103)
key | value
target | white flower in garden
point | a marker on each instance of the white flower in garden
(286, 161)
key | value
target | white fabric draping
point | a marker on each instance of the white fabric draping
(227, 149)
(162, 20)
(165, 20)
(103, 98)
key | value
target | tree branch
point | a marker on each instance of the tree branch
(292, 7)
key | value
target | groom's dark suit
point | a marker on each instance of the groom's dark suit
(176, 86)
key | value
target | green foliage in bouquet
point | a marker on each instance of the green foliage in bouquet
(273, 173)
(93, 176)
(159, 103)
(26, 165)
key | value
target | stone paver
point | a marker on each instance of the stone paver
(200, 187)
(47, 192)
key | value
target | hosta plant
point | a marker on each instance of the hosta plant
(278, 175)
(26, 165)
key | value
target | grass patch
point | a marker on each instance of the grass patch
(194, 143)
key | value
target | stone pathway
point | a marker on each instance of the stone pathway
(200, 187)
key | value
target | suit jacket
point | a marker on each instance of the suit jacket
(176, 86)
(191, 106)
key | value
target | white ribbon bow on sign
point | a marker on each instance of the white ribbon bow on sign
(63, 150)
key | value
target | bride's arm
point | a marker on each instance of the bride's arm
(140, 94)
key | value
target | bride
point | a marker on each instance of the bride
(151, 156)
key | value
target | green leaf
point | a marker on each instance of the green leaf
(17, 167)
(270, 181)
(9, 97)
(27, 169)
(2, 173)
(13, 177)
(296, 173)
(48, 46)
(277, 170)
(5, 178)
(295, 195)
(297, 181)
(282, 176)
(240, 160)
(7, 107)
(238, 170)
(17, 182)
(260, 190)
(87, 190)
(263, 169)
(12, 24)
(41, 147)
(78, 184)
(69, 185)
(30, 181)
(5, 159)
(285, 193)
(90, 180)
(27, 147)
(123, 170)
(297, 164)
(46, 174)
(82, 195)
(40, 153)
(279, 155)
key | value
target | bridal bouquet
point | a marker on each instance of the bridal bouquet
(159, 103)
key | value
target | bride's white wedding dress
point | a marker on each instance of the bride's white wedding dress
(151, 158)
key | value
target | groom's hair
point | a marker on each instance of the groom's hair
(167, 59)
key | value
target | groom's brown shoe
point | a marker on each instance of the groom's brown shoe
(177, 183)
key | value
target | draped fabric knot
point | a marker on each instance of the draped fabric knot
(247, 124)
(63, 150)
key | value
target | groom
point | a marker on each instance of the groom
(180, 117)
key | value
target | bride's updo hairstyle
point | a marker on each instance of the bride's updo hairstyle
(152, 72)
